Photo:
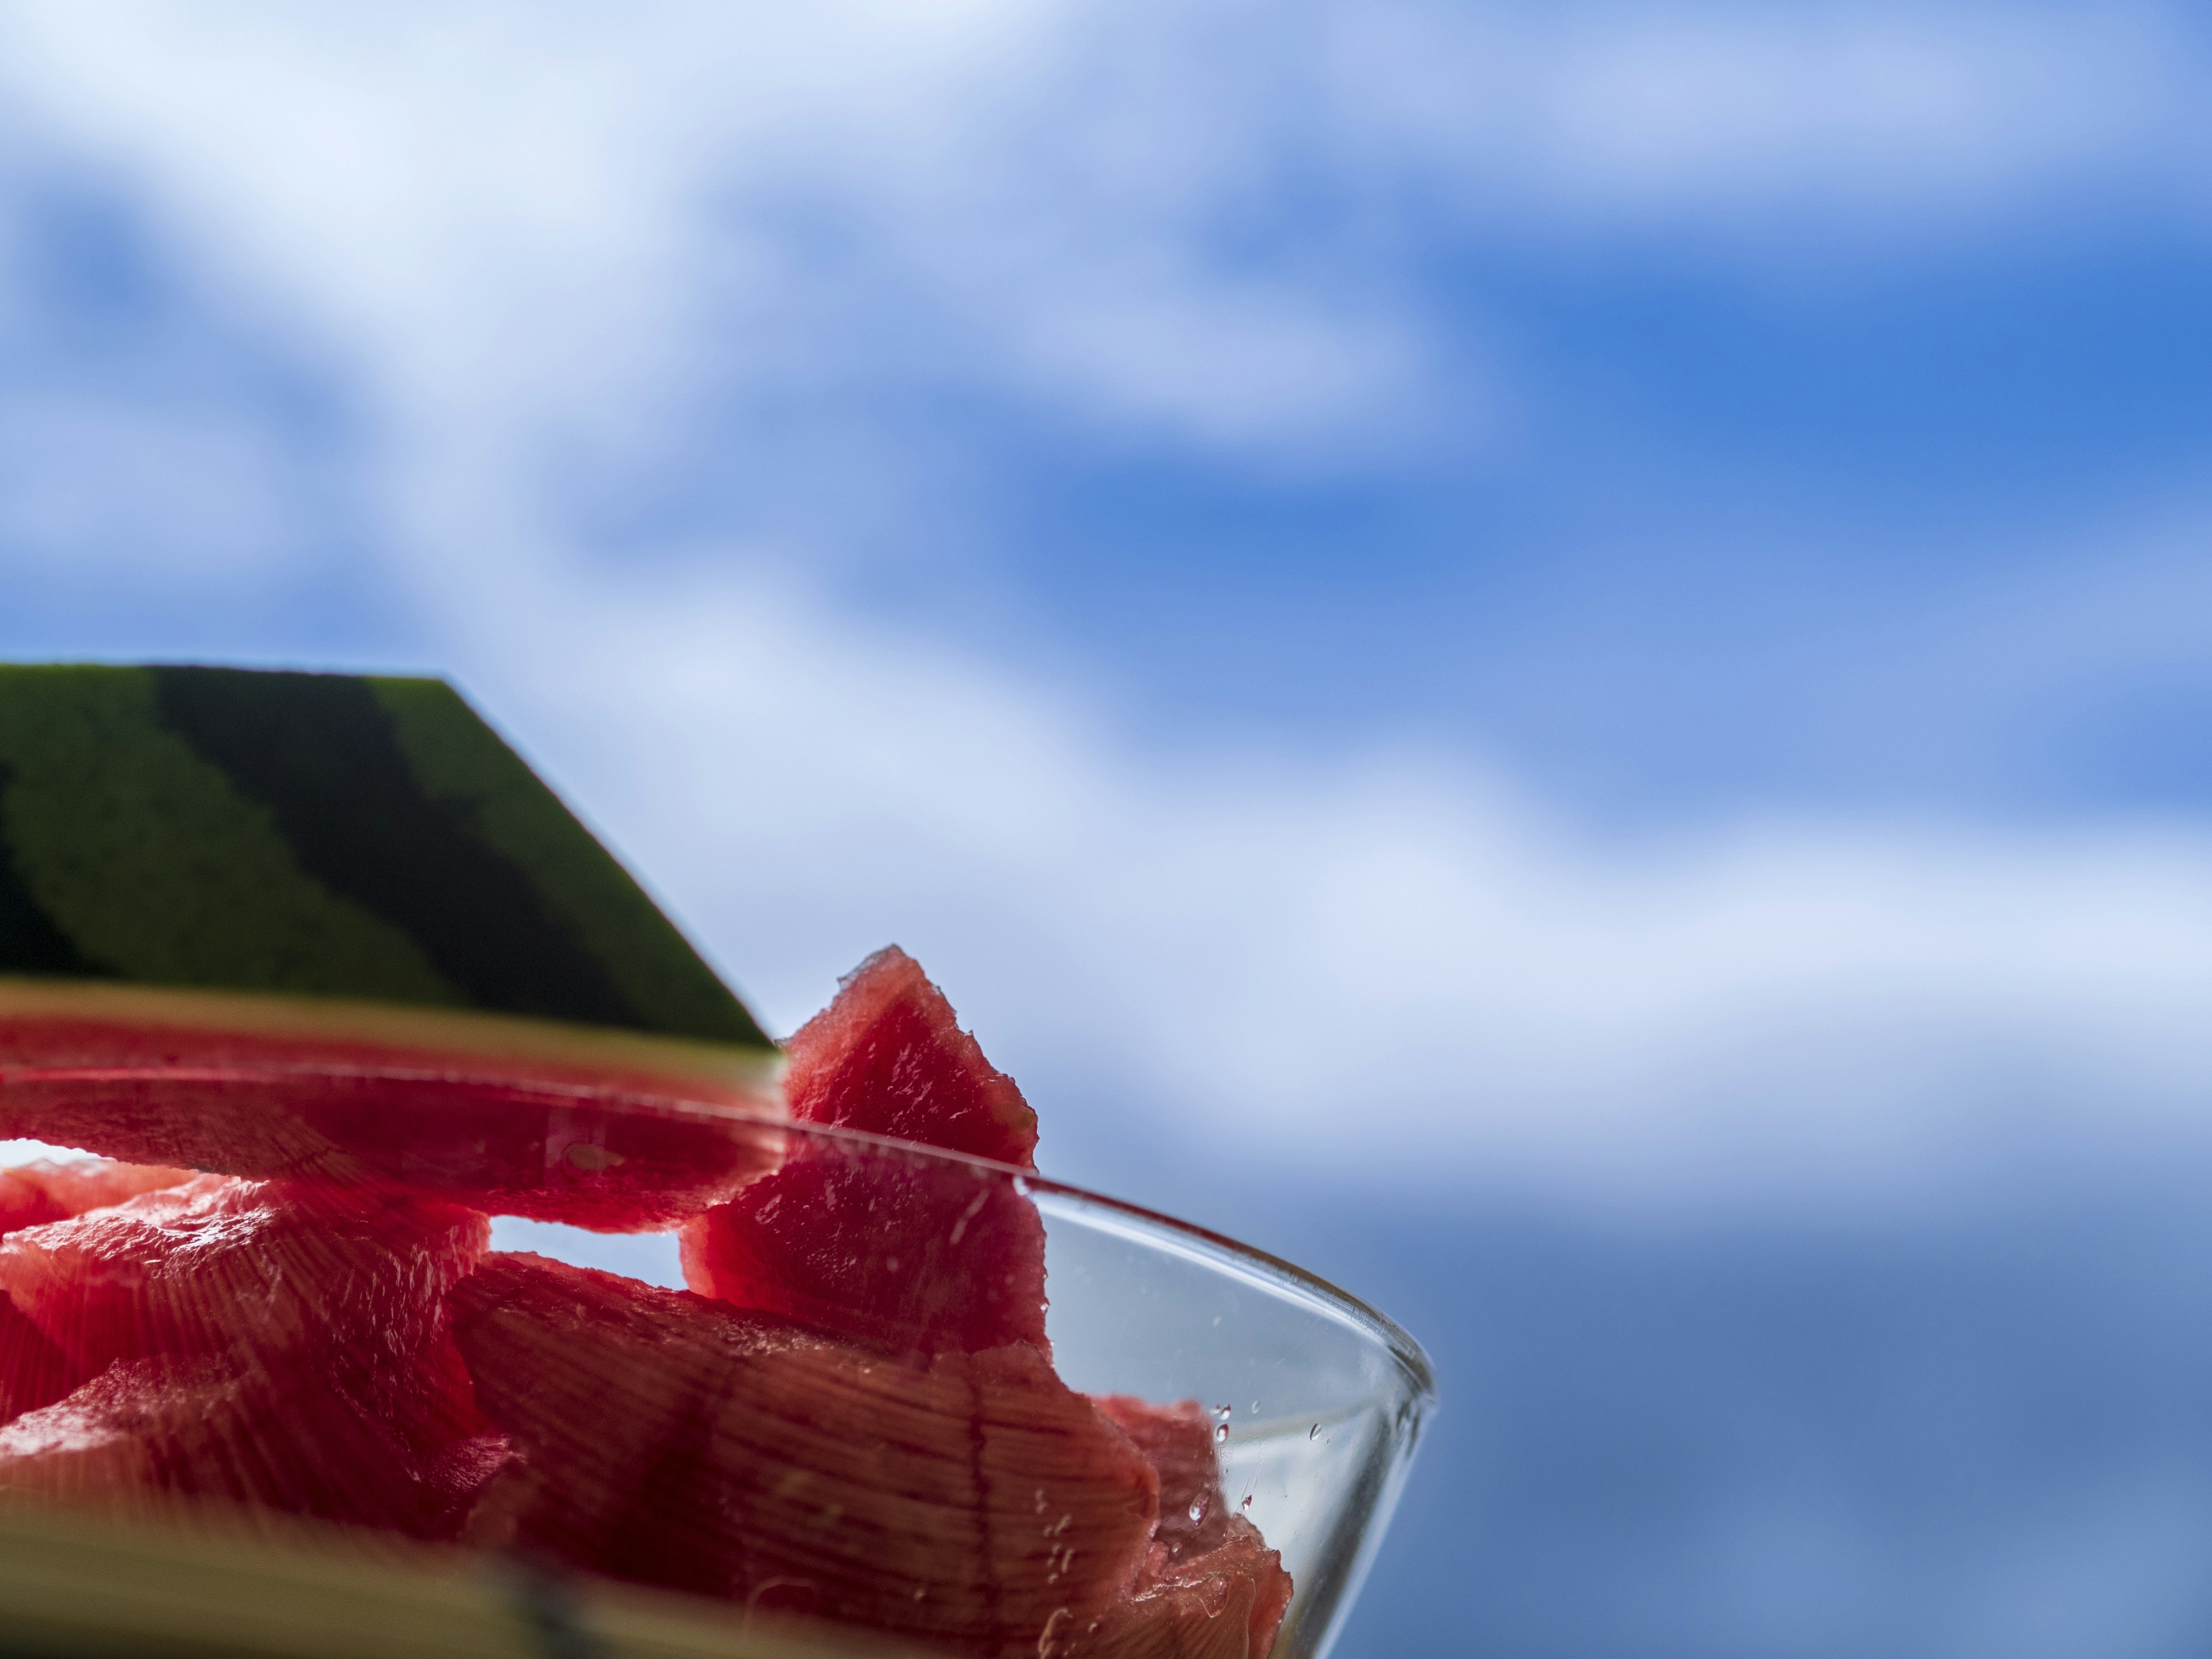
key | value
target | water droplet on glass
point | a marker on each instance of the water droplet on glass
(1198, 1511)
(1247, 1504)
(1255, 1408)
(1313, 1433)
(1220, 1433)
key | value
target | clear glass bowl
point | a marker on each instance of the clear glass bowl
(851, 1434)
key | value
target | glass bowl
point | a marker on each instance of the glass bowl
(861, 1427)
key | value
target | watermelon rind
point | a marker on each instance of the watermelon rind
(51, 1023)
(328, 834)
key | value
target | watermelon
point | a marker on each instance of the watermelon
(924, 1254)
(34, 1371)
(266, 1343)
(325, 834)
(1209, 1585)
(329, 940)
(48, 1190)
(507, 1116)
(292, 925)
(277, 1433)
(1178, 1440)
(1227, 1603)
(971, 1501)
(219, 1262)
(221, 1265)
(888, 1056)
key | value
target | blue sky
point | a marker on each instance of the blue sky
(1554, 657)
(1625, 584)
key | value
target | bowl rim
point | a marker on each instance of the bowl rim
(1273, 1271)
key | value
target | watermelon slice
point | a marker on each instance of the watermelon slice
(32, 1195)
(320, 834)
(510, 1117)
(294, 925)
(973, 1501)
(923, 1254)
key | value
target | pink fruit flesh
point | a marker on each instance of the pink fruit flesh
(965, 1501)
(570, 1145)
(932, 1258)
(32, 1195)
(1207, 1564)
(888, 1056)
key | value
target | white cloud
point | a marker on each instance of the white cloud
(1341, 966)
(554, 217)
(1613, 115)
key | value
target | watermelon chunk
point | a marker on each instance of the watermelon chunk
(1227, 1603)
(32, 1195)
(915, 1256)
(220, 1265)
(888, 1056)
(1210, 1585)
(34, 1372)
(972, 1501)
(926, 1255)
(286, 1434)
(1178, 1440)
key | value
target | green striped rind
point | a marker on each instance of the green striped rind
(321, 834)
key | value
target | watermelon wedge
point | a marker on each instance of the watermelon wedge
(520, 1117)
(295, 924)
(325, 835)
(972, 1502)
(928, 1256)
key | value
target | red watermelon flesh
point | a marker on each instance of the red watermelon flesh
(613, 1155)
(1227, 1603)
(919, 1254)
(1208, 1572)
(32, 1195)
(34, 1372)
(220, 1265)
(281, 1433)
(1179, 1441)
(972, 1501)
(888, 1056)
(911, 1256)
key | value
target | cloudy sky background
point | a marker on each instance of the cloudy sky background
(1556, 658)
(1617, 594)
